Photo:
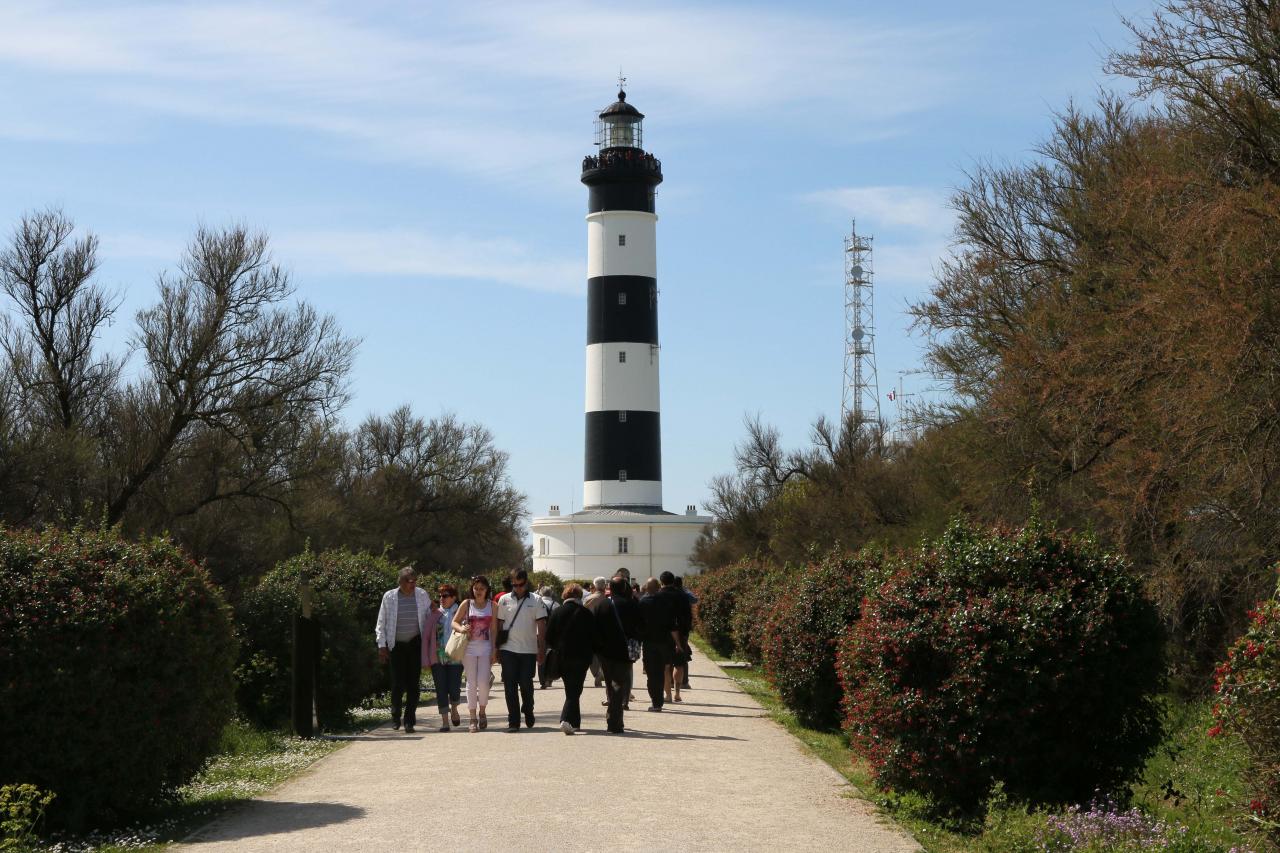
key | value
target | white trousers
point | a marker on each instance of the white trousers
(477, 668)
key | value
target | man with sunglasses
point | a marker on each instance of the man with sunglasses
(522, 645)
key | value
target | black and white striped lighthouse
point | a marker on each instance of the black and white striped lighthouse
(623, 433)
(622, 523)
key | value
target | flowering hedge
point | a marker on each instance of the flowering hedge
(348, 589)
(753, 604)
(718, 592)
(800, 636)
(1248, 688)
(116, 661)
(1028, 658)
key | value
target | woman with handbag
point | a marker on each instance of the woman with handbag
(571, 643)
(475, 619)
(445, 672)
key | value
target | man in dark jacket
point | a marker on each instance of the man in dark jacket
(571, 638)
(617, 620)
(661, 639)
(684, 617)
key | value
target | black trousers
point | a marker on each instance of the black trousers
(595, 669)
(406, 672)
(574, 675)
(617, 684)
(656, 658)
(517, 672)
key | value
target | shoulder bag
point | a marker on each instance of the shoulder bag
(456, 648)
(504, 633)
(633, 646)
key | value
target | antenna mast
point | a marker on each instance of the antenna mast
(861, 386)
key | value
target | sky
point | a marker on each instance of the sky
(417, 165)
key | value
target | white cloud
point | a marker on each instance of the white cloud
(406, 252)
(434, 85)
(920, 209)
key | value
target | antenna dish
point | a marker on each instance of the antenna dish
(856, 269)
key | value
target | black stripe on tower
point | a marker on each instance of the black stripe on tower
(622, 309)
(633, 445)
(621, 179)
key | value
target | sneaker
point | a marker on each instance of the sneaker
(566, 727)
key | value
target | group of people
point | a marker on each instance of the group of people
(605, 631)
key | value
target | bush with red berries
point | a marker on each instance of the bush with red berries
(1028, 658)
(802, 631)
(749, 622)
(718, 591)
(1248, 693)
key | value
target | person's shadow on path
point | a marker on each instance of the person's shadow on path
(269, 817)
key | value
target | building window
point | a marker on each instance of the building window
(622, 417)
(622, 475)
(622, 544)
(622, 239)
(542, 546)
(622, 299)
(622, 356)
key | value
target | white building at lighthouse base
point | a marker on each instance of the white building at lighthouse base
(597, 542)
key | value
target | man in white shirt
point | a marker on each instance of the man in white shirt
(522, 645)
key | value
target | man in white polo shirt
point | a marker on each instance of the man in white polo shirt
(522, 645)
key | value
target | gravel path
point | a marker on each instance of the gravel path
(711, 774)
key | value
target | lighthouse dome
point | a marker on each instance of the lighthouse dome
(621, 108)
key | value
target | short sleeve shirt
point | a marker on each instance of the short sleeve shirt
(522, 630)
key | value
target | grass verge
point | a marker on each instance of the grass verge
(1192, 781)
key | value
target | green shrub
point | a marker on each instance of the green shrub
(348, 589)
(537, 580)
(717, 591)
(1248, 692)
(117, 662)
(1027, 658)
(752, 605)
(22, 807)
(800, 635)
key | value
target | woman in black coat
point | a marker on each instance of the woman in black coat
(571, 638)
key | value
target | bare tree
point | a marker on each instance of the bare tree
(50, 344)
(225, 355)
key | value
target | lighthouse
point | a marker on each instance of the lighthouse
(622, 523)
(623, 431)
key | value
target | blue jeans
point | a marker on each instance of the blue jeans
(448, 681)
(517, 672)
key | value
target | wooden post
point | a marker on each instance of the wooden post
(306, 655)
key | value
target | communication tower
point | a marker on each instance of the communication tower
(861, 387)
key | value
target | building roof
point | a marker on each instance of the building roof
(626, 515)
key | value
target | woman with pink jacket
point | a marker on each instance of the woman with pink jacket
(446, 673)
